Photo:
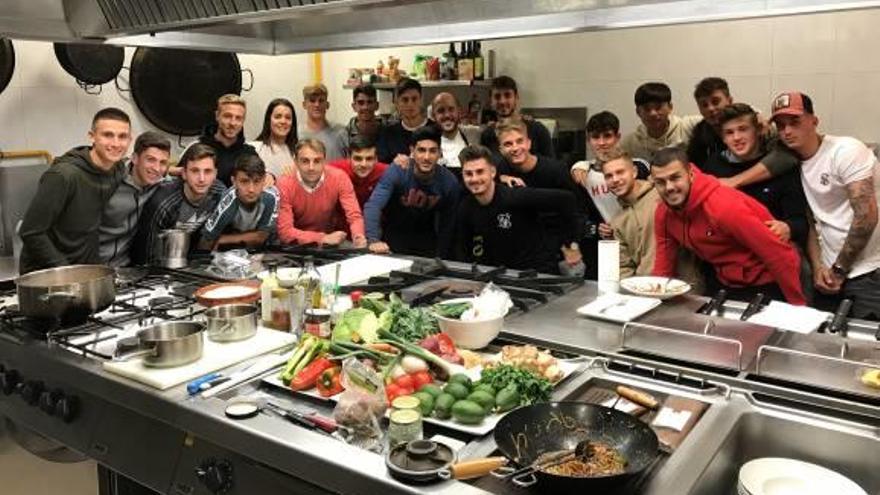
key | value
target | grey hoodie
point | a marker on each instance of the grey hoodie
(120, 220)
(60, 226)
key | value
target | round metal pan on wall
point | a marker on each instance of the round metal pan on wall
(177, 90)
(91, 64)
(7, 62)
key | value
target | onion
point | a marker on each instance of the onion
(413, 364)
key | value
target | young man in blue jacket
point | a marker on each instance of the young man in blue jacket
(412, 209)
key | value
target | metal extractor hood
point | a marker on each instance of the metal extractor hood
(299, 26)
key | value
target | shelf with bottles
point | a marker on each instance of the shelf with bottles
(389, 86)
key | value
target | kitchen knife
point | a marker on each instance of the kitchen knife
(195, 386)
(716, 303)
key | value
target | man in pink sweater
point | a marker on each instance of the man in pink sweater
(312, 198)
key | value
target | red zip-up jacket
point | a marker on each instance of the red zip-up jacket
(725, 227)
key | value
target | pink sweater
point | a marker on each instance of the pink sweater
(304, 217)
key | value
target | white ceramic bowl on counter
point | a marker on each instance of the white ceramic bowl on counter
(470, 334)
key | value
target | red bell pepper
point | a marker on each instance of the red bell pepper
(330, 382)
(307, 377)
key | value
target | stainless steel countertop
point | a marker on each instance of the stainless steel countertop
(314, 457)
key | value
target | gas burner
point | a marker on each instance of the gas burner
(154, 302)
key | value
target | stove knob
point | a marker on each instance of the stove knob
(30, 391)
(9, 380)
(67, 407)
(49, 400)
(215, 475)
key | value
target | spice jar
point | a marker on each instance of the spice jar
(405, 425)
(317, 322)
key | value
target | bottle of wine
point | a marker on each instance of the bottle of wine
(449, 67)
(479, 63)
(465, 63)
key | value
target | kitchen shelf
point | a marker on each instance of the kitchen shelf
(485, 83)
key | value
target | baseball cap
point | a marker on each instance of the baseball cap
(314, 90)
(791, 103)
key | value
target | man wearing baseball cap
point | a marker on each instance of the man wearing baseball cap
(841, 179)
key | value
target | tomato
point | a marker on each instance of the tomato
(447, 346)
(405, 381)
(422, 378)
(393, 391)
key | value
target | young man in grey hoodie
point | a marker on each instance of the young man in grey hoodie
(148, 165)
(60, 226)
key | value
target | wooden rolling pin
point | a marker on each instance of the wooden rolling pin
(640, 398)
(473, 468)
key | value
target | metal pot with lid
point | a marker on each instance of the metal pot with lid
(420, 461)
(67, 293)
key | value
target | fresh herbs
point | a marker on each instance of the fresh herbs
(452, 310)
(531, 388)
(410, 324)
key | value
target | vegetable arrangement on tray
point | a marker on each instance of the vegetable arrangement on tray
(403, 348)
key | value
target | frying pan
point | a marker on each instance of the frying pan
(7, 62)
(526, 433)
(177, 90)
(91, 64)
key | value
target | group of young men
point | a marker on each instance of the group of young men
(732, 200)
(726, 199)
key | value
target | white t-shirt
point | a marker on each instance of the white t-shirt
(451, 148)
(334, 137)
(838, 162)
(277, 158)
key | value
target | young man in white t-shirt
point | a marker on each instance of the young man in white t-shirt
(841, 179)
(603, 136)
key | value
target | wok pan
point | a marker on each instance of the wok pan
(7, 62)
(177, 90)
(91, 64)
(526, 433)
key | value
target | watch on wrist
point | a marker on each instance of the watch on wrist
(839, 270)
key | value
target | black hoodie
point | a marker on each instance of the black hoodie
(226, 156)
(60, 226)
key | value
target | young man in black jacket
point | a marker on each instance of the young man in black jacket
(226, 136)
(505, 103)
(181, 203)
(745, 146)
(60, 226)
(501, 226)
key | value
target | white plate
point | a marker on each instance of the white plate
(567, 366)
(618, 307)
(651, 287)
(781, 476)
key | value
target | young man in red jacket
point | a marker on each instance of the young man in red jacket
(723, 227)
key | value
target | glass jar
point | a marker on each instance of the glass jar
(317, 322)
(404, 425)
(280, 310)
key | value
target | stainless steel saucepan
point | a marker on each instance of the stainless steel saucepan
(167, 344)
(231, 322)
(67, 293)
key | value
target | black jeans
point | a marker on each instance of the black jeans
(864, 291)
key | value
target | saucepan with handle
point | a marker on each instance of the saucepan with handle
(165, 345)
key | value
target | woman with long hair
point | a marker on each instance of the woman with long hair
(277, 139)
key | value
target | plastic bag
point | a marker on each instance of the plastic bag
(362, 405)
(492, 302)
(236, 264)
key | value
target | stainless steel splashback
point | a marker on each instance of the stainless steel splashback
(18, 184)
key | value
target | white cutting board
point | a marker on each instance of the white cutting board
(353, 270)
(216, 356)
